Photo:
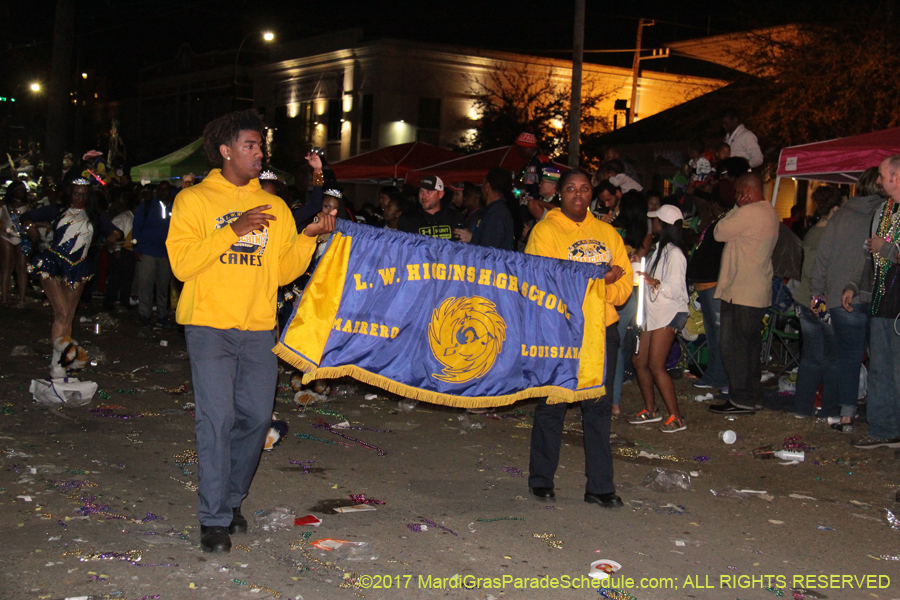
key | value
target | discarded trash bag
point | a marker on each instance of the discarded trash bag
(667, 480)
(275, 519)
(67, 391)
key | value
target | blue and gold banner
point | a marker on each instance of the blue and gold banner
(448, 322)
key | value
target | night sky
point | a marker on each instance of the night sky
(117, 37)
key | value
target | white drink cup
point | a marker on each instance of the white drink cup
(729, 437)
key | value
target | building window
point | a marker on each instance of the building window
(366, 121)
(429, 124)
(335, 114)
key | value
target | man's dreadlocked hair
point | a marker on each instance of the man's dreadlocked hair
(225, 130)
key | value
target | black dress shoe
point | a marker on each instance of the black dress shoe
(214, 538)
(729, 408)
(610, 500)
(238, 522)
(543, 492)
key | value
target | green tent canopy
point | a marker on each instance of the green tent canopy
(190, 159)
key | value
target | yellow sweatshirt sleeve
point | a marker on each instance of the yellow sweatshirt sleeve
(191, 249)
(295, 257)
(542, 243)
(617, 294)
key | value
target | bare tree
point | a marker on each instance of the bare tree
(511, 99)
(826, 80)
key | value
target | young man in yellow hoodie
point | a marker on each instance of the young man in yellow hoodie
(573, 233)
(232, 244)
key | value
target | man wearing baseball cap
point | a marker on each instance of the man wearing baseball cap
(431, 218)
(527, 147)
(548, 190)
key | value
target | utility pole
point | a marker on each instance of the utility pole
(636, 68)
(60, 78)
(575, 102)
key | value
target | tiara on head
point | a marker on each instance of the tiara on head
(334, 194)
(268, 175)
(81, 181)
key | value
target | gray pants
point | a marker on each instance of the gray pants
(234, 374)
(154, 271)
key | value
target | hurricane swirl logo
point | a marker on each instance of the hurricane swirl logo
(466, 335)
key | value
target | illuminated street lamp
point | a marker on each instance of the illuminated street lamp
(35, 87)
(268, 36)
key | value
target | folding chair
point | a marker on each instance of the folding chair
(693, 351)
(781, 339)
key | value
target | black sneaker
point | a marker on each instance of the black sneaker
(238, 522)
(867, 443)
(214, 538)
(729, 408)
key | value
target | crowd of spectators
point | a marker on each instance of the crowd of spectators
(708, 246)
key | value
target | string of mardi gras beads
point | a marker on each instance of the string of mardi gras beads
(322, 424)
(887, 229)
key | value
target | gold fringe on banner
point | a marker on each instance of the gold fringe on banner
(554, 394)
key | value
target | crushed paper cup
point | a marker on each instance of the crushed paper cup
(603, 568)
(354, 508)
(307, 520)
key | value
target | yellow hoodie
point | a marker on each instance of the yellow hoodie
(591, 241)
(231, 282)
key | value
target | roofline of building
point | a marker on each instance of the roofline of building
(370, 48)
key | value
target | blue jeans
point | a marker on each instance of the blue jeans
(715, 371)
(850, 331)
(234, 374)
(884, 380)
(818, 365)
(626, 318)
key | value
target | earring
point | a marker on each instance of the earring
(227, 158)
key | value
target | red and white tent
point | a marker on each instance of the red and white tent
(474, 167)
(391, 163)
(837, 161)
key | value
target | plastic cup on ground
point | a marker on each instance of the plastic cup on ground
(603, 568)
(729, 437)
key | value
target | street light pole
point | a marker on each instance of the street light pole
(575, 101)
(58, 84)
(267, 36)
(636, 66)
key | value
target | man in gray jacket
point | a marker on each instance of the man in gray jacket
(838, 276)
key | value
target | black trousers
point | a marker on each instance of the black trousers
(546, 435)
(740, 337)
(121, 276)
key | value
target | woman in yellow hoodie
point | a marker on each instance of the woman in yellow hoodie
(573, 233)
(233, 244)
